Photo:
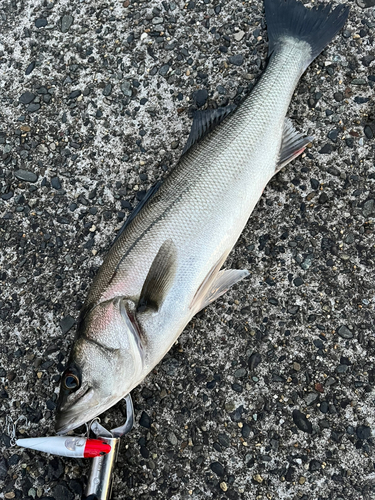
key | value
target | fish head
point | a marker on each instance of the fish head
(104, 365)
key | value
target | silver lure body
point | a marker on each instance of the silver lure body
(183, 235)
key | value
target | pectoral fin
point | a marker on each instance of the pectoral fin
(213, 288)
(293, 144)
(159, 278)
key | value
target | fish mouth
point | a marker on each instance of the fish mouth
(78, 413)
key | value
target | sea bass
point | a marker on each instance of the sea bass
(166, 264)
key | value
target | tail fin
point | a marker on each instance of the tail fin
(290, 18)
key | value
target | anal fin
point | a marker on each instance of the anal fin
(292, 145)
(215, 285)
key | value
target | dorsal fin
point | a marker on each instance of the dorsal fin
(204, 122)
(159, 278)
(292, 145)
(150, 193)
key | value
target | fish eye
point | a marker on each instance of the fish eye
(71, 381)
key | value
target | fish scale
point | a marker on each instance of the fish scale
(224, 166)
(165, 265)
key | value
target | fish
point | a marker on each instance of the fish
(166, 264)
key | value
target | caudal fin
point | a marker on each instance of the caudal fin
(291, 19)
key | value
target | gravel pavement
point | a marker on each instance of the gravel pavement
(269, 392)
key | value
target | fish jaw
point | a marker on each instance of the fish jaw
(107, 362)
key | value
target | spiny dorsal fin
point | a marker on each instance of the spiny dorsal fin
(159, 278)
(292, 145)
(204, 122)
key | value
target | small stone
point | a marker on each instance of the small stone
(31, 108)
(323, 198)
(258, 478)
(145, 420)
(302, 422)
(240, 373)
(310, 398)
(326, 149)
(61, 492)
(126, 89)
(27, 97)
(107, 90)
(369, 131)
(302, 480)
(254, 360)
(66, 324)
(296, 366)
(236, 60)
(363, 432)
(239, 35)
(55, 183)
(25, 175)
(201, 97)
(217, 468)
(172, 438)
(224, 440)
(344, 332)
(41, 22)
(338, 96)
(164, 69)
(3, 464)
(333, 134)
(74, 94)
(30, 68)
(367, 60)
(65, 22)
(298, 281)
(368, 208)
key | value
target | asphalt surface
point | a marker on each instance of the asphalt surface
(269, 392)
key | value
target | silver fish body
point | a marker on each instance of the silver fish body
(165, 266)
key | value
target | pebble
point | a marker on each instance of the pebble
(126, 89)
(200, 97)
(310, 398)
(363, 432)
(298, 281)
(236, 60)
(368, 208)
(254, 360)
(55, 183)
(164, 70)
(66, 324)
(27, 97)
(33, 107)
(344, 332)
(41, 22)
(366, 4)
(66, 22)
(302, 422)
(239, 35)
(172, 438)
(30, 68)
(107, 90)
(217, 468)
(25, 175)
